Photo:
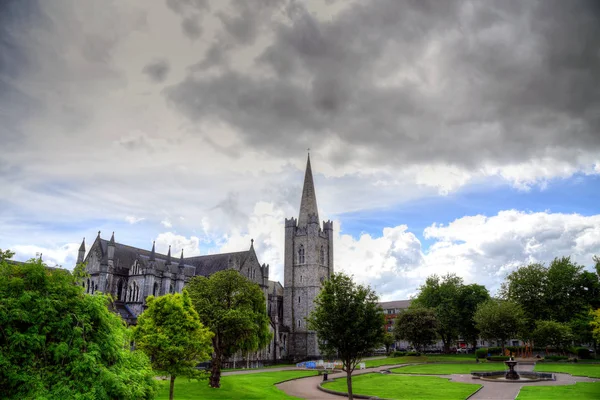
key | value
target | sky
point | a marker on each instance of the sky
(445, 136)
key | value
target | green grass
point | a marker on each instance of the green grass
(405, 387)
(468, 358)
(250, 369)
(247, 386)
(579, 391)
(591, 370)
(447, 369)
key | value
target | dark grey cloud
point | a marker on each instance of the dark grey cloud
(191, 27)
(414, 81)
(157, 70)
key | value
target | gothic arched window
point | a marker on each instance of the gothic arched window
(322, 256)
(301, 254)
(155, 291)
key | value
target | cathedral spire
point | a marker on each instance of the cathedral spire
(308, 204)
(153, 252)
(168, 262)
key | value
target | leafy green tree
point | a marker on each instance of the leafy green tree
(595, 323)
(443, 296)
(234, 309)
(551, 333)
(348, 320)
(169, 331)
(58, 343)
(469, 297)
(388, 341)
(499, 320)
(417, 325)
(581, 328)
(527, 286)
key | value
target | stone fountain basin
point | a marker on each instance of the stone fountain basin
(525, 376)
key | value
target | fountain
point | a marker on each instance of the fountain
(511, 374)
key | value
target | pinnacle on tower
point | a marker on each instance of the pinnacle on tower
(181, 259)
(308, 204)
(168, 262)
(112, 239)
(153, 252)
(82, 247)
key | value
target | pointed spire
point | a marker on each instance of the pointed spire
(82, 247)
(168, 262)
(308, 204)
(153, 252)
(98, 234)
(251, 243)
(112, 239)
(181, 259)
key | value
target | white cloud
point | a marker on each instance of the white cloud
(63, 255)
(166, 223)
(132, 219)
(190, 246)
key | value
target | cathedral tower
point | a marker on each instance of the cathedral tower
(308, 261)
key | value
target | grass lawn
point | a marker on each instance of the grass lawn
(405, 387)
(267, 367)
(447, 369)
(579, 391)
(468, 358)
(591, 370)
(247, 386)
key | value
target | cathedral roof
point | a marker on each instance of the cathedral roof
(308, 204)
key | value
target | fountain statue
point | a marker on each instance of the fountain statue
(511, 374)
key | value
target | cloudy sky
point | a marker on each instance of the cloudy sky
(445, 136)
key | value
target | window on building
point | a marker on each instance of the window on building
(301, 255)
(155, 289)
(298, 299)
(298, 323)
(322, 256)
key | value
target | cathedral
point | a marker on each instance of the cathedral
(131, 274)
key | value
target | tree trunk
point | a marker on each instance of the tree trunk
(172, 387)
(215, 373)
(349, 382)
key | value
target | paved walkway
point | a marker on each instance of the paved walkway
(306, 388)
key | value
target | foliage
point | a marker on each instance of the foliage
(6, 255)
(347, 320)
(234, 309)
(481, 353)
(442, 296)
(469, 297)
(581, 352)
(556, 358)
(257, 386)
(56, 342)
(499, 319)
(579, 391)
(551, 333)
(395, 386)
(417, 326)
(388, 341)
(595, 324)
(169, 331)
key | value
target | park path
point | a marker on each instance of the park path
(307, 388)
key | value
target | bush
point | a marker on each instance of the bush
(582, 352)
(498, 358)
(413, 353)
(555, 358)
(495, 351)
(398, 354)
(481, 353)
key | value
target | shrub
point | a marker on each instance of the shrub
(398, 354)
(481, 353)
(555, 358)
(498, 358)
(495, 351)
(413, 353)
(582, 352)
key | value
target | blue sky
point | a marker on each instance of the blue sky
(446, 137)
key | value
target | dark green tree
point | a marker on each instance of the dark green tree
(417, 325)
(469, 297)
(348, 320)
(58, 343)
(553, 334)
(234, 309)
(443, 296)
(499, 320)
(388, 341)
(527, 286)
(169, 331)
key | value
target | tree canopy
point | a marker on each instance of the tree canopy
(169, 331)
(57, 343)
(234, 309)
(417, 325)
(347, 320)
(551, 333)
(499, 320)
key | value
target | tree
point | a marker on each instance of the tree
(469, 297)
(348, 320)
(499, 320)
(234, 309)
(527, 287)
(551, 333)
(442, 295)
(169, 331)
(57, 343)
(417, 325)
(595, 323)
(388, 341)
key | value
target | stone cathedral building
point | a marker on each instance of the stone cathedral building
(131, 274)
